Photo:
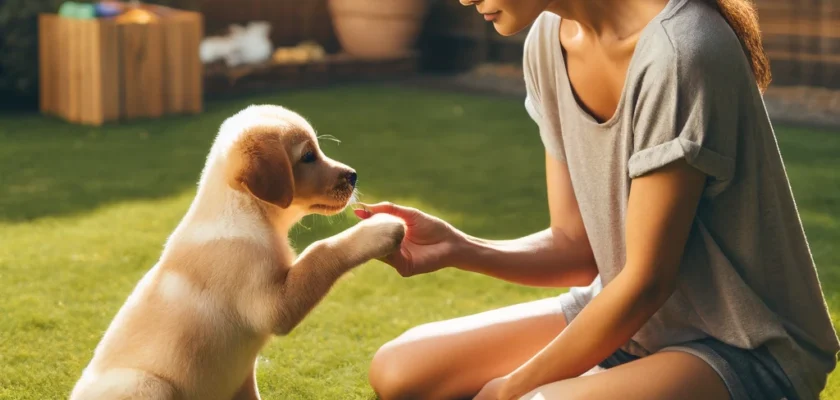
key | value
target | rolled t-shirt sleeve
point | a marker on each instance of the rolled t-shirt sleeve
(687, 108)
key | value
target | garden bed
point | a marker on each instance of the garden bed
(333, 68)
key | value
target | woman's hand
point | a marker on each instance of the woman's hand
(429, 244)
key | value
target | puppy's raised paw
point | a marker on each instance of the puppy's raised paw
(381, 234)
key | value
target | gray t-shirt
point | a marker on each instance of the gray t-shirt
(747, 277)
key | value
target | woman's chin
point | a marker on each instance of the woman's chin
(506, 28)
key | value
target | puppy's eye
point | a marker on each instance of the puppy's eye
(308, 157)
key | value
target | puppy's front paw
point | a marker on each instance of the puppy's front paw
(381, 234)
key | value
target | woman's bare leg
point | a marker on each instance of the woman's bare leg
(666, 375)
(453, 359)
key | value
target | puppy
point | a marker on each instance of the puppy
(227, 279)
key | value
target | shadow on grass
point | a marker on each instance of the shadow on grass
(458, 152)
(53, 168)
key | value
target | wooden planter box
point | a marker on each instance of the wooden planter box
(96, 71)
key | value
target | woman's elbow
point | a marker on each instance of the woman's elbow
(583, 275)
(583, 269)
(572, 276)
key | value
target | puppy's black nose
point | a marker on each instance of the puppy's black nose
(351, 177)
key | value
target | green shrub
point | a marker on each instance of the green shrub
(19, 47)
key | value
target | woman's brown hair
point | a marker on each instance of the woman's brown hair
(743, 18)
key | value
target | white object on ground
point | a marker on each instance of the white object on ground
(243, 45)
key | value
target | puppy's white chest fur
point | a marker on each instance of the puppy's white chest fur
(220, 213)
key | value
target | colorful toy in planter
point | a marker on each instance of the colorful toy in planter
(71, 9)
(107, 9)
(137, 16)
(136, 13)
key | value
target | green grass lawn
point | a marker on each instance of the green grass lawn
(84, 212)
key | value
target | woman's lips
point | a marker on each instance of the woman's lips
(492, 16)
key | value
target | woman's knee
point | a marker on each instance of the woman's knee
(392, 374)
(409, 367)
(559, 390)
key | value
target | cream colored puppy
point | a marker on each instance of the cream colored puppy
(227, 279)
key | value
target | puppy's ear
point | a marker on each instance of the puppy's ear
(261, 166)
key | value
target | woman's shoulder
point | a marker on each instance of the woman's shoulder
(699, 30)
(694, 44)
(541, 42)
(540, 37)
(695, 37)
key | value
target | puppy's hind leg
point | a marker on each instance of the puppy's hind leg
(123, 384)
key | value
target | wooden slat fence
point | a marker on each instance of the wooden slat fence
(802, 37)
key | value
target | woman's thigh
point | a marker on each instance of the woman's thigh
(666, 375)
(453, 359)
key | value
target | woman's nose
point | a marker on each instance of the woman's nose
(467, 3)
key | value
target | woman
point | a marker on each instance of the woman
(668, 199)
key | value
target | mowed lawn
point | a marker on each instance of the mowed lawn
(84, 212)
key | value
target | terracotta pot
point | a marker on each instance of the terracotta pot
(377, 29)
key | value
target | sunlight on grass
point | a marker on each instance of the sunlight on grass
(84, 212)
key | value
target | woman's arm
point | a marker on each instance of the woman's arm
(661, 209)
(556, 257)
(544, 259)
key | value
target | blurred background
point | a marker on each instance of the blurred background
(802, 38)
(108, 109)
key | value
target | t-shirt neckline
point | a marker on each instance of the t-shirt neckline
(563, 76)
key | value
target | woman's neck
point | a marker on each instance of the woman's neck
(608, 20)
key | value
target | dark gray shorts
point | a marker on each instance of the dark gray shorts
(748, 374)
